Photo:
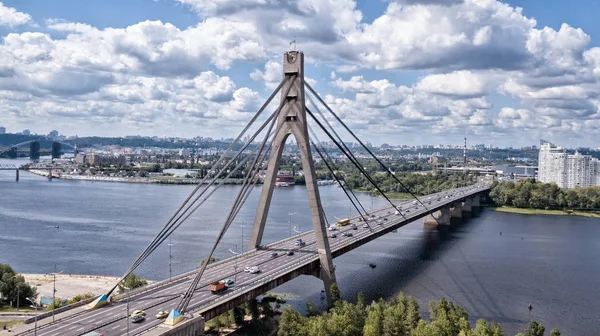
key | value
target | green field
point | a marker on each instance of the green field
(11, 323)
(548, 212)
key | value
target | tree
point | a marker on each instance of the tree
(238, 315)
(132, 281)
(534, 329)
(335, 293)
(360, 301)
(555, 332)
(291, 323)
(311, 309)
(13, 284)
(374, 322)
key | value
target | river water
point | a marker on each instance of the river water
(552, 262)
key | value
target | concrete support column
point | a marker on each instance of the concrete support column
(456, 210)
(17, 177)
(467, 207)
(440, 217)
(475, 201)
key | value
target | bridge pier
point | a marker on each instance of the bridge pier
(475, 205)
(456, 213)
(17, 176)
(467, 207)
(439, 217)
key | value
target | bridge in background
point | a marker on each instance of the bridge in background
(188, 297)
(34, 149)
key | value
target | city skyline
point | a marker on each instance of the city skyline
(403, 72)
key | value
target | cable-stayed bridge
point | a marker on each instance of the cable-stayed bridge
(188, 297)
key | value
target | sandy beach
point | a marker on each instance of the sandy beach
(68, 286)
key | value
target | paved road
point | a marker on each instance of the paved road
(112, 320)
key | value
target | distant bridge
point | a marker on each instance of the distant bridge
(34, 148)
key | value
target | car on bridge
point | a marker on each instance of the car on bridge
(138, 312)
(290, 253)
(254, 270)
(228, 282)
(274, 255)
(137, 318)
(162, 314)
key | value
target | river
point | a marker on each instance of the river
(549, 261)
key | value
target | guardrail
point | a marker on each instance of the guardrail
(59, 310)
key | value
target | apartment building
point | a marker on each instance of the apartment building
(567, 170)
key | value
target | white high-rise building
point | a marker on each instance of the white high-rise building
(567, 170)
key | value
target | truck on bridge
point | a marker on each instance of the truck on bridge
(217, 287)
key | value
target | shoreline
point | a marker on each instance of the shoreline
(70, 285)
(531, 211)
(144, 180)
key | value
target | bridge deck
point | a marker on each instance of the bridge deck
(112, 319)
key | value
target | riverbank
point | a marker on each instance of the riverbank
(593, 214)
(145, 180)
(70, 285)
(397, 196)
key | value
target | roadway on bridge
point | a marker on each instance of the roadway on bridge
(112, 319)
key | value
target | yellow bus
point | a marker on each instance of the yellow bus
(343, 222)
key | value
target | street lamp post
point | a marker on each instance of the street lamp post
(290, 223)
(170, 258)
(235, 266)
(36, 314)
(127, 316)
(54, 292)
(242, 226)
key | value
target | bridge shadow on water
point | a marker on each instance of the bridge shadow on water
(416, 263)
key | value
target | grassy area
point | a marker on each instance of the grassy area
(400, 196)
(593, 214)
(11, 323)
(22, 308)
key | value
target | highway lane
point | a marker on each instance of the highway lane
(165, 298)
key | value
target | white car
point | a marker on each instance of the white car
(254, 270)
(247, 269)
(332, 228)
(366, 226)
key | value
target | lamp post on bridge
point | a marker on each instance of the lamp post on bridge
(242, 226)
(54, 292)
(290, 223)
(170, 258)
(36, 314)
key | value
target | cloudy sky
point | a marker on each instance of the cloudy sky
(401, 72)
